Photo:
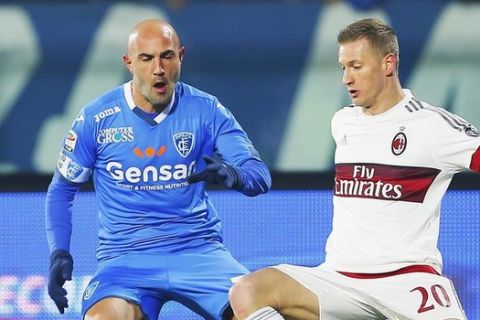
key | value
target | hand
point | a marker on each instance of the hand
(61, 266)
(217, 172)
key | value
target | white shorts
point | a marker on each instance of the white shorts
(415, 295)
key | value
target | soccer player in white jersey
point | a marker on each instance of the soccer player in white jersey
(395, 157)
(151, 145)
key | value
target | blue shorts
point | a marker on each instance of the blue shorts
(200, 280)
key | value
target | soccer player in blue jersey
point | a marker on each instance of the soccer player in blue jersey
(151, 144)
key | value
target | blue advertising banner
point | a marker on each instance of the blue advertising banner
(281, 227)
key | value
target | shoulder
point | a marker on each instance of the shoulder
(109, 101)
(346, 112)
(350, 108)
(196, 96)
(441, 118)
(200, 103)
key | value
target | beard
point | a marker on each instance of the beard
(158, 101)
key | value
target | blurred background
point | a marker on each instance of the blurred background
(274, 65)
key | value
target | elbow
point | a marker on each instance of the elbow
(262, 184)
(267, 183)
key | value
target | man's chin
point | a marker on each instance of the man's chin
(358, 102)
(160, 104)
(160, 97)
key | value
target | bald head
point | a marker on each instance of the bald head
(154, 59)
(152, 29)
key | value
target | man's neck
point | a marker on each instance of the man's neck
(385, 101)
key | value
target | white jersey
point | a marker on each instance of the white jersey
(392, 171)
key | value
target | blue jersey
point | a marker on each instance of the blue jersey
(140, 164)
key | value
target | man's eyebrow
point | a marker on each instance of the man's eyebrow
(162, 54)
(147, 55)
(166, 53)
(350, 62)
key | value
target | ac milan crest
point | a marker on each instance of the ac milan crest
(399, 143)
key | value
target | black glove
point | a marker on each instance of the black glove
(61, 266)
(218, 172)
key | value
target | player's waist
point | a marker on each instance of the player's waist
(404, 270)
(111, 249)
(380, 262)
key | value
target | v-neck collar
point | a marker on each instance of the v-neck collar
(127, 91)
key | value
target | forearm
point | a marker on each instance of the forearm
(58, 213)
(254, 177)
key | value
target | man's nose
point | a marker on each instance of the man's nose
(158, 70)
(347, 78)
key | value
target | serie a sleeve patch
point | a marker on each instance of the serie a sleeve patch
(71, 170)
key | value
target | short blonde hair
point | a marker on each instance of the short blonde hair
(380, 35)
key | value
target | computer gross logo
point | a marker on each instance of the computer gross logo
(115, 135)
(150, 173)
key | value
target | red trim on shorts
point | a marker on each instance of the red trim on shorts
(475, 163)
(408, 269)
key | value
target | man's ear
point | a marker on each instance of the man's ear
(181, 53)
(390, 63)
(127, 62)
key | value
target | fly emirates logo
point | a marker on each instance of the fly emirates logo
(385, 182)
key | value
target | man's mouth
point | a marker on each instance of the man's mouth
(353, 93)
(160, 87)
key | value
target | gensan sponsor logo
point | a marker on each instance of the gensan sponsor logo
(149, 174)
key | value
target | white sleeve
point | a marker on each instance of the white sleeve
(455, 143)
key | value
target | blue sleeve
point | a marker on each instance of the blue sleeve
(78, 154)
(231, 142)
(58, 212)
(255, 177)
(73, 168)
(234, 147)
